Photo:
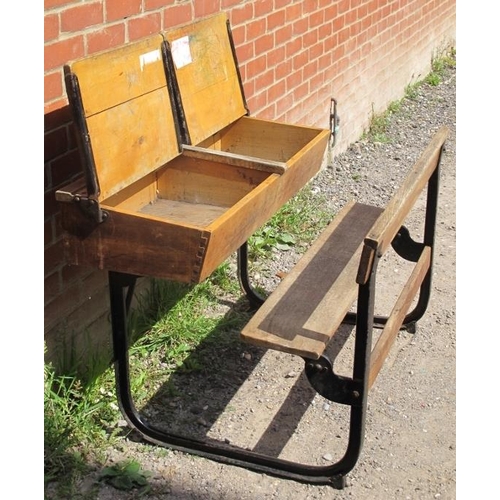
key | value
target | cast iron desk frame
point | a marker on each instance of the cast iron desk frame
(324, 381)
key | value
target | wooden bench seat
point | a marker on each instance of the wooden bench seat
(311, 302)
(301, 316)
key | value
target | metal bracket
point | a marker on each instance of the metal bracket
(91, 209)
(405, 246)
(331, 386)
(334, 121)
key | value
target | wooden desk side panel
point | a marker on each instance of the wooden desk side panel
(134, 244)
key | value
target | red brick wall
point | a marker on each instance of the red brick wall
(293, 56)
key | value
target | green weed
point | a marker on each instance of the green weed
(127, 476)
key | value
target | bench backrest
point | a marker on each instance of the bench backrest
(125, 113)
(395, 213)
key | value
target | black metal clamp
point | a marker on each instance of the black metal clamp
(334, 121)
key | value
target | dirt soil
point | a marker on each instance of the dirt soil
(262, 401)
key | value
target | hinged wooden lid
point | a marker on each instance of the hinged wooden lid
(207, 76)
(123, 109)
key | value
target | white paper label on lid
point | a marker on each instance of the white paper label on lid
(149, 57)
(181, 53)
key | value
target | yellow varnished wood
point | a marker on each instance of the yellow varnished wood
(235, 159)
(274, 325)
(217, 194)
(209, 83)
(119, 75)
(131, 140)
(382, 234)
(396, 318)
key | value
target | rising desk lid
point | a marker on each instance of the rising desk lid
(207, 76)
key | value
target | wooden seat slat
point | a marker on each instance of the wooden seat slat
(304, 312)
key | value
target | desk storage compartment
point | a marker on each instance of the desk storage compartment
(151, 202)
(215, 116)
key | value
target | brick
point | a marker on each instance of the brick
(264, 80)
(106, 38)
(268, 113)
(53, 86)
(241, 15)
(255, 29)
(310, 38)
(245, 52)
(331, 12)
(57, 118)
(309, 6)
(264, 43)
(238, 35)
(283, 35)
(294, 79)
(55, 143)
(300, 26)
(300, 60)
(75, 274)
(48, 231)
(54, 106)
(362, 11)
(206, 8)
(157, 4)
(316, 51)
(275, 57)
(293, 47)
(58, 53)
(301, 91)
(50, 27)
(310, 69)
(52, 287)
(316, 19)
(350, 18)
(283, 69)
(51, 4)
(263, 7)
(81, 17)
(284, 104)
(257, 102)
(325, 31)
(118, 9)
(178, 14)
(94, 282)
(66, 168)
(145, 25)
(278, 4)
(257, 66)
(343, 6)
(343, 35)
(275, 20)
(53, 258)
(229, 3)
(293, 12)
(248, 84)
(276, 91)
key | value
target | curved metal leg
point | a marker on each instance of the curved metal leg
(333, 475)
(254, 298)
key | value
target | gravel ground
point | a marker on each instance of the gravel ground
(267, 405)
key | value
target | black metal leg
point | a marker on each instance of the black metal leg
(254, 298)
(333, 475)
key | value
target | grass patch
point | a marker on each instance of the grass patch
(76, 423)
(296, 224)
(379, 123)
